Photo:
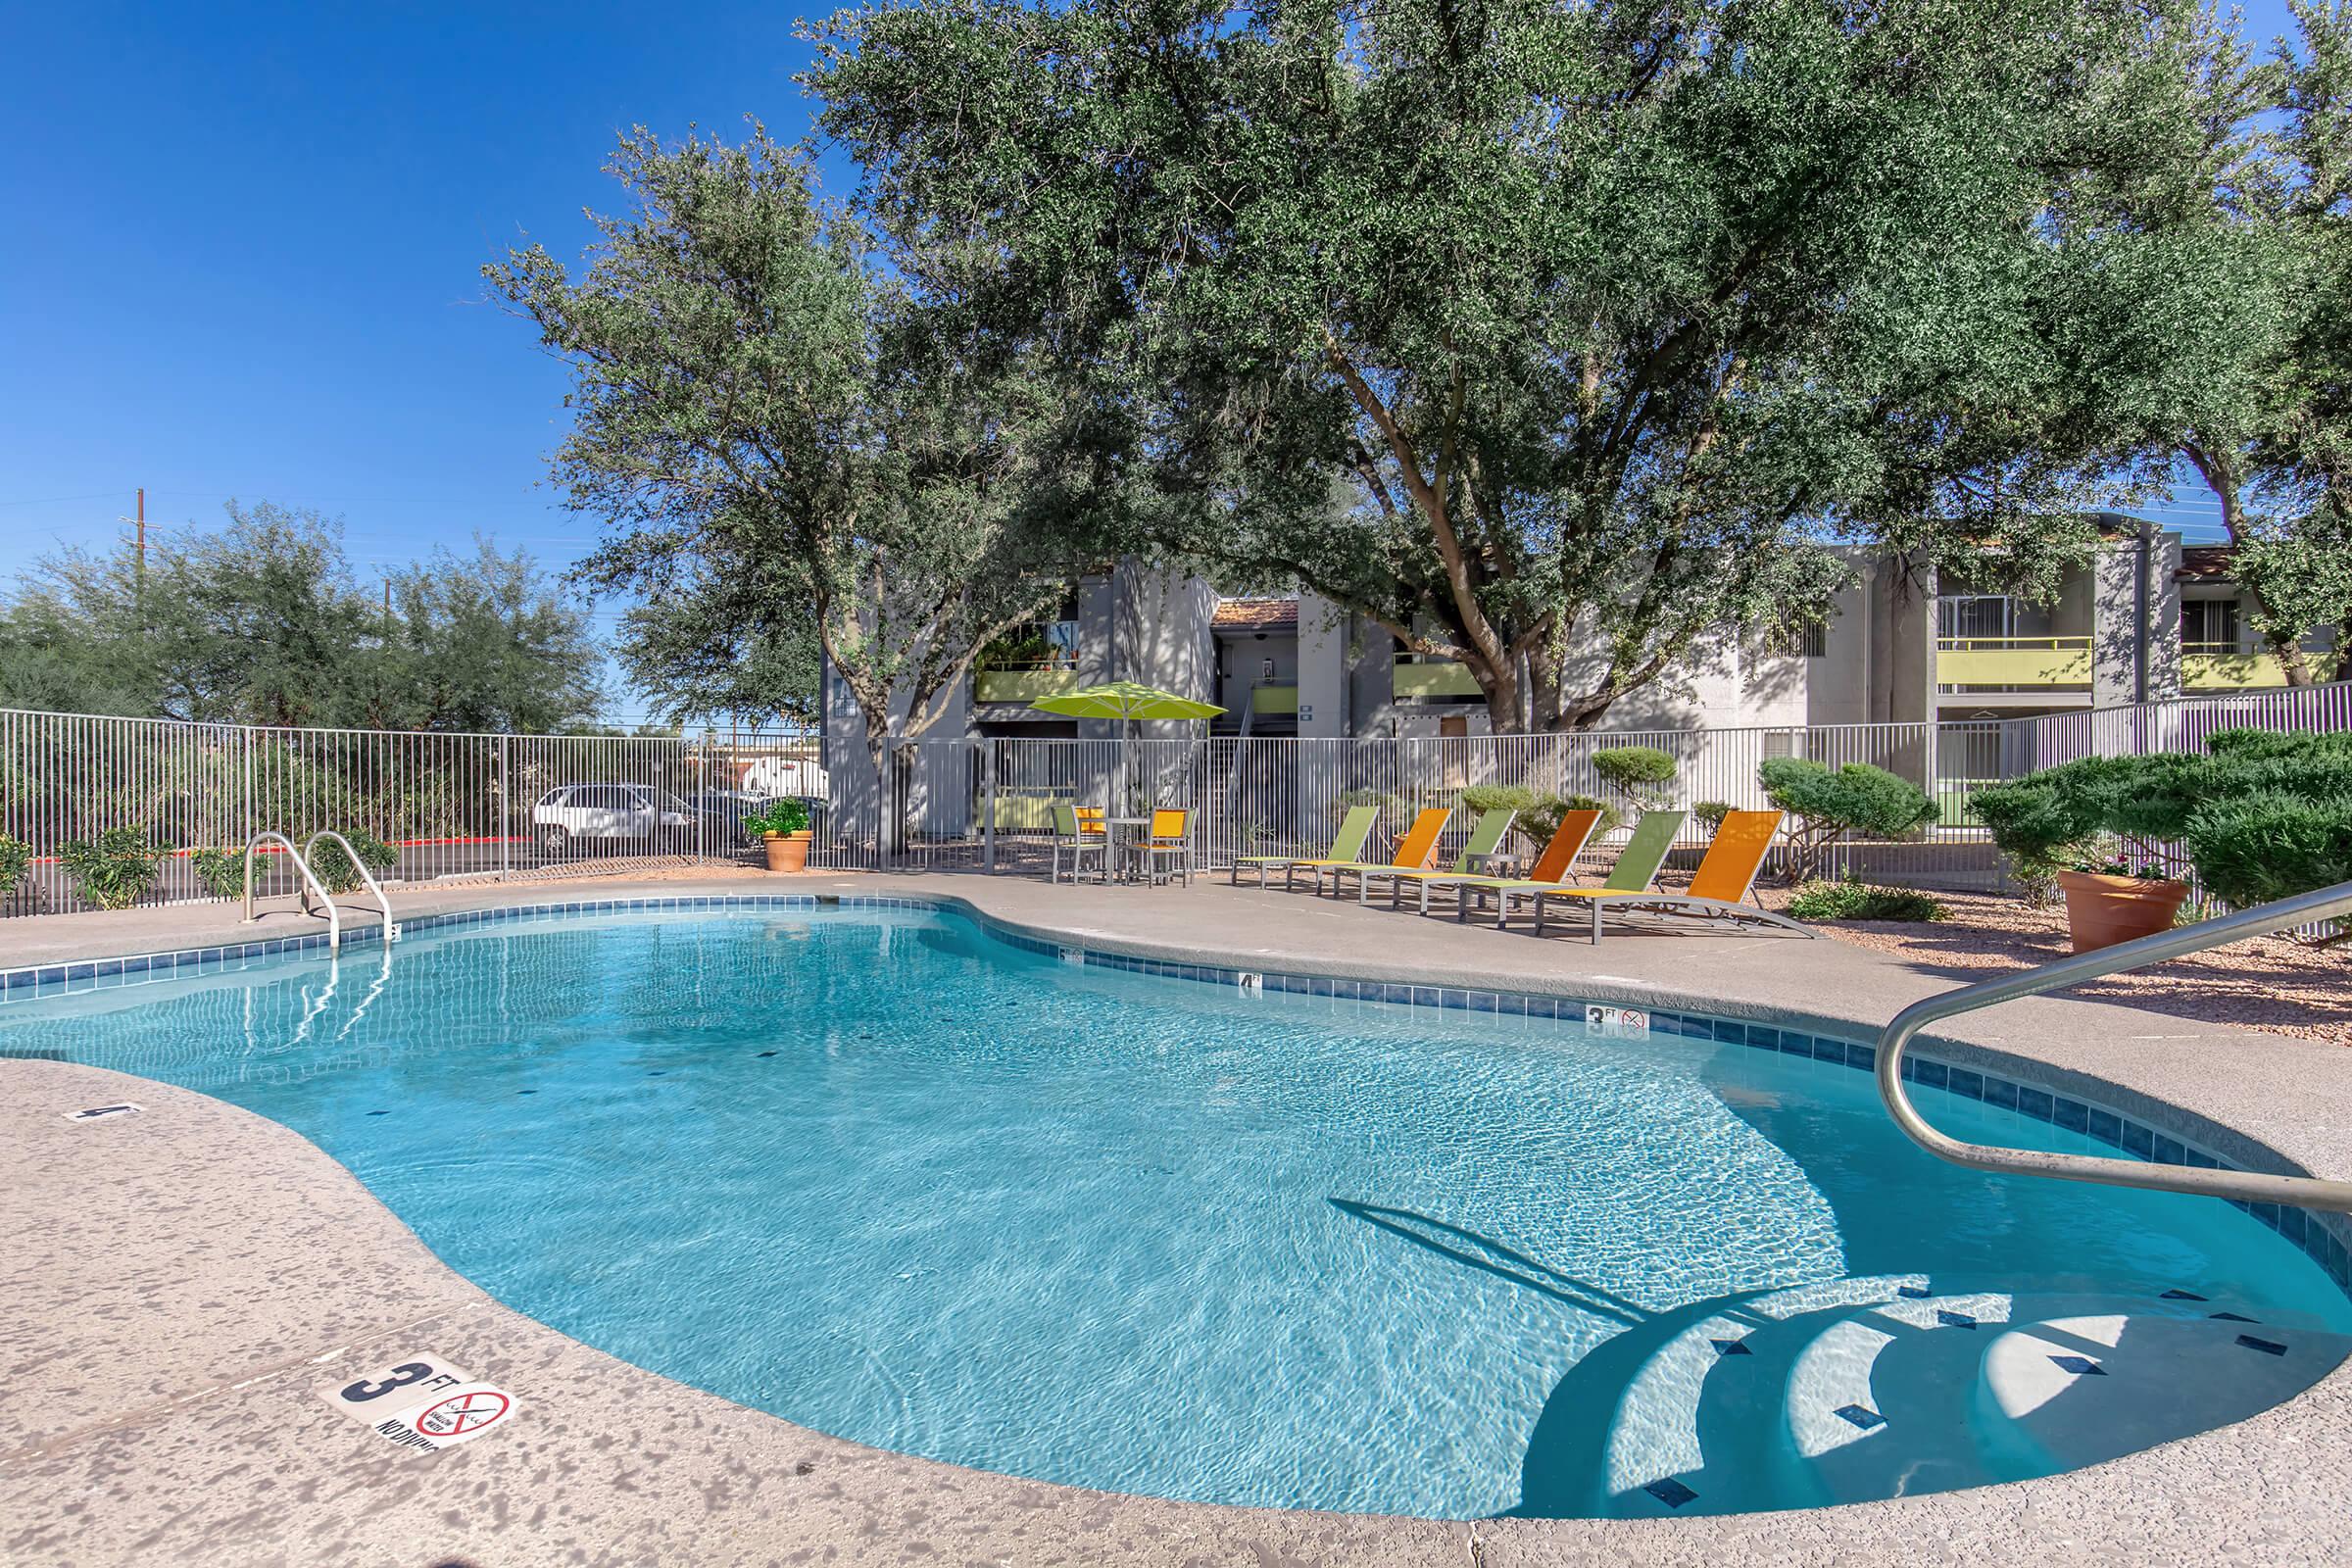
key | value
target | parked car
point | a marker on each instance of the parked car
(772, 776)
(729, 808)
(609, 813)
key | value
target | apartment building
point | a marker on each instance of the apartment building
(2147, 618)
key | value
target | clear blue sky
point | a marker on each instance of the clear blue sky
(243, 246)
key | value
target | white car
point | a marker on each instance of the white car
(799, 776)
(602, 814)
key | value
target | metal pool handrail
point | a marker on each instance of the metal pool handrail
(310, 881)
(2302, 1192)
(310, 844)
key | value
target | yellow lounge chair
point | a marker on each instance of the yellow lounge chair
(1413, 850)
(1726, 877)
(1550, 870)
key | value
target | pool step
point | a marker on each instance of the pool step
(1864, 1388)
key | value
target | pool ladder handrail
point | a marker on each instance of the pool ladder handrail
(310, 885)
(2245, 1186)
(311, 846)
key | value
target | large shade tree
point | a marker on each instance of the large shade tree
(1550, 337)
(798, 437)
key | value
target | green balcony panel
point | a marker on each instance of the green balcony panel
(1022, 685)
(1432, 678)
(2022, 661)
(1275, 700)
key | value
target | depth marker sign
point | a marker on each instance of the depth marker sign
(423, 1403)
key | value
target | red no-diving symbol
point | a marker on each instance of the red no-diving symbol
(462, 1413)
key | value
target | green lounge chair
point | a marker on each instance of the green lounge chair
(1485, 837)
(1412, 853)
(1636, 869)
(1550, 870)
(1719, 889)
(1347, 848)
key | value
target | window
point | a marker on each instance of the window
(2209, 625)
(1973, 615)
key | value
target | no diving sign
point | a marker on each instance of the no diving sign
(423, 1402)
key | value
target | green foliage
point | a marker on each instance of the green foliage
(2261, 814)
(16, 857)
(1640, 773)
(1855, 901)
(781, 815)
(334, 869)
(1710, 814)
(114, 871)
(2270, 844)
(261, 622)
(1610, 815)
(221, 872)
(1544, 331)
(1825, 804)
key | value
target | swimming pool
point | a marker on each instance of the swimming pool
(887, 1176)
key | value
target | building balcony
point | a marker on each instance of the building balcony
(1431, 678)
(1275, 700)
(2226, 668)
(1023, 685)
(2010, 664)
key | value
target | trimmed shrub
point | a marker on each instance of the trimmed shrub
(2271, 843)
(1535, 809)
(334, 869)
(114, 871)
(1824, 805)
(1640, 773)
(1855, 901)
(1710, 814)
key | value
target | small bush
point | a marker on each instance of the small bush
(1710, 814)
(334, 869)
(785, 815)
(1855, 901)
(114, 871)
(1640, 773)
(1533, 807)
(16, 859)
(1824, 805)
(221, 871)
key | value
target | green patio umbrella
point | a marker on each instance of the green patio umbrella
(1126, 701)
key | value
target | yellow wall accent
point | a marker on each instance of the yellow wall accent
(1021, 685)
(1275, 700)
(1437, 678)
(1988, 665)
(2231, 671)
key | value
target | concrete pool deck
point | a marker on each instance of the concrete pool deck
(163, 1394)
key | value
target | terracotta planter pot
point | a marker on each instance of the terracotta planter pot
(2102, 911)
(787, 852)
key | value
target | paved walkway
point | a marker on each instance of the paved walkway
(185, 1285)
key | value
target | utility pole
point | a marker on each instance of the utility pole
(142, 523)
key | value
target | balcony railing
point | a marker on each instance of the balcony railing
(2225, 666)
(2013, 662)
(1431, 678)
(1023, 684)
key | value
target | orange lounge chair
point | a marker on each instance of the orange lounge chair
(1550, 870)
(1725, 879)
(1413, 853)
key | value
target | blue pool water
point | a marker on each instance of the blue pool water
(890, 1178)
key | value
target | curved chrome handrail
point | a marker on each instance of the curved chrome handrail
(391, 927)
(2302, 1192)
(310, 883)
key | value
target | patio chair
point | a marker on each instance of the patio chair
(1169, 841)
(1726, 877)
(1485, 837)
(1347, 848)
(1071, 833)
(1550, 870)
(1411, 853)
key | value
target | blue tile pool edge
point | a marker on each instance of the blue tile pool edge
(2326, 1239)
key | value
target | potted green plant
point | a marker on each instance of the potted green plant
(783, 829)
(2108, 902)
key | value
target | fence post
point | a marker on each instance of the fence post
(987, 827)
(506, 807)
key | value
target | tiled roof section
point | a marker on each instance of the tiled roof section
(1256, 614)
(2206, 561)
